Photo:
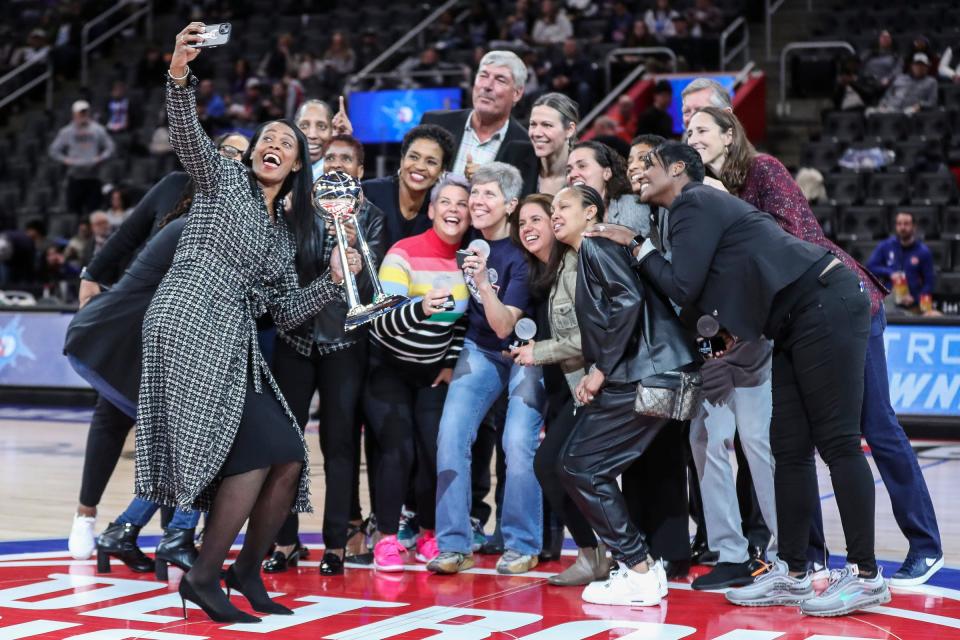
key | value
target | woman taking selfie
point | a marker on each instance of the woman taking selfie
(601, 168)
(214, 430)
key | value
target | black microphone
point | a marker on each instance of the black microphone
(524, 331)
(709, 343)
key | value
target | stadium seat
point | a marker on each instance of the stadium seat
(950, 223)
(948, 285)
(917, 155)
(822, 155)
(826, 215)
(860, 250)
(941, 253)
(888, 188)
(933, 124)
(843, 126)
(934, 188)
(863, 222)
(844, 188)
(887, 128)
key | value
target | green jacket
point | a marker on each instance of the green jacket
(564, 347)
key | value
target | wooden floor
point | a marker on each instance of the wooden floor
(41, 456)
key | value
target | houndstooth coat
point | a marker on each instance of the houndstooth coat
(199, 335)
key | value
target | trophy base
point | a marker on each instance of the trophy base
(362, 314)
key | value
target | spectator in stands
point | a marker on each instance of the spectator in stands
(626, 118)
(882, 63)
(659, 20)
(620, 23)
(480, 24)
(553, 26)
(428, 64)
(425, 153)
(211, 108)
(75, 253)
(705, 19)
(18, 254)
(150, 67)
(119, 112)
(369, 47)
(119, 210)
(339, 59)
(82, 146)
(518, 24)
(480, 134)
(572, 74)
(853, 90)
(35, 47)
(481, 375)
(239, 76)
(640, 36)
(656, 119)
(912, 91)
(688, 49)
(905, 253)
(949, 69)
(598, 166)
(921, 44)
(279, 61)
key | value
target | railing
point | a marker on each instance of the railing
(87, 46)
(604, 104)
(399, 44)
(616, 53)
(783, 107)
(771, 7)
(728, 56)
(47, 76)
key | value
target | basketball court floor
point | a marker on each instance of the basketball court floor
(46, 594)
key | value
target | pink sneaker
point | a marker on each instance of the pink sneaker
(427, 548)
(388, 554)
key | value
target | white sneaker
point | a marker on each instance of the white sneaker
(626, 588)
(657, 568)
(82, 540)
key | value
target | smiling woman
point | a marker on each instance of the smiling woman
(208, 436)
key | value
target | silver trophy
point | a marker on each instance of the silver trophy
(337, 198)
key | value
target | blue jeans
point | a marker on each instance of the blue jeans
(895, 458)
(139, 512)
(479, 378)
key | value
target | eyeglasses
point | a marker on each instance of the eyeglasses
(229, 151)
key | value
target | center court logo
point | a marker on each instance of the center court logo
(46, 596)
(12, 346)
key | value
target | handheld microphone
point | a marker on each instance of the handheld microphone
(444, 282)
(524, 331)
(709, 343)
(480, 247)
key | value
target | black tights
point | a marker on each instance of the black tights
(264, 496)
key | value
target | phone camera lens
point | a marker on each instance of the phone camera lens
(224, 28)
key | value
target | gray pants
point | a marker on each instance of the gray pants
(747, 412)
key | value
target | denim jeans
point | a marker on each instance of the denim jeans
(891, 450)
(478, 380)
(139, 512)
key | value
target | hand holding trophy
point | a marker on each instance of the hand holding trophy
(337, 198)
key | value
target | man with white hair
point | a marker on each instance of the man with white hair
(704, 92)
(481, 133)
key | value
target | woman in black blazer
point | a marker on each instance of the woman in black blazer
(735, 263)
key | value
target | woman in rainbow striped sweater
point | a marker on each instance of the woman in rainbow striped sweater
(413, 351)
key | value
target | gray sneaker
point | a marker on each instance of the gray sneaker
(450, 562)
(773, 588)
(847, 593)
(513, 562)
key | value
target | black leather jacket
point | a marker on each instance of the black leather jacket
(627, 330)
(327, 327)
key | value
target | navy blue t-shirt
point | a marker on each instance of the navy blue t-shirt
(507, 272)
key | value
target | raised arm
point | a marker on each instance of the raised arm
(291, 305)
(196, 151)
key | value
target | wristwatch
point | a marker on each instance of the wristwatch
(86, 275)
(636, 242)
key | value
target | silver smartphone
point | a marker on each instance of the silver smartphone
(214, 35)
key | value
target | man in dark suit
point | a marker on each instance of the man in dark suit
(482, 134)
(737, 264)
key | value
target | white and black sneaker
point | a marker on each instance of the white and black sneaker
(627, 588)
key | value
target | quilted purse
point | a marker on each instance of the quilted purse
(675, 395)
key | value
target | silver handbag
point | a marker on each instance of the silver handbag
(675, 395)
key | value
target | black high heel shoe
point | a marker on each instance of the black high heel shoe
(280, 562)
(331, 565)
(176, 548)
(225, 613)
(266, 605)
(120, 540)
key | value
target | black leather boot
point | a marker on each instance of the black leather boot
(176, 548)
(120, 540)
